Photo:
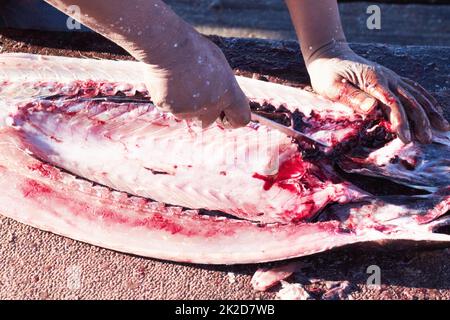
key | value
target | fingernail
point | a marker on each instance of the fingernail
(368, 104)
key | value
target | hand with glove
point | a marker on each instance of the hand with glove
(197, 82)
(341, 75)
(186, 73)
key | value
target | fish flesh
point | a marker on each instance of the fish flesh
(125, 176)
(253, 173)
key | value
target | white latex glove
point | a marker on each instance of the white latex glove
(339, 74)
(198, 83)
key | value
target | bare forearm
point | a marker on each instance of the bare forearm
(147, 29)
(317, 23)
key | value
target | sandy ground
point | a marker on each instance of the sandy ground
(40, 265)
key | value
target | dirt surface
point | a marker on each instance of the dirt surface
(39, 265)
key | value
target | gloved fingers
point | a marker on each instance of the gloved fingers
(208, 118)
(424, 92)
(355, 98)
(237, 114)
(420, 124)
(397, 113)
(435, 116)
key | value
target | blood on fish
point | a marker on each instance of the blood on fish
(293, 168)
(111, 215)
(159, 222)
(382, 228)
(32, 188)
(45, 170)
(89, 89)
(115, 216)
(409, 165)
(161, 123)
(152, 220)
(99, 122)
(268, 180)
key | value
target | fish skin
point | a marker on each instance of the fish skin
(41, 195)
(416, 165)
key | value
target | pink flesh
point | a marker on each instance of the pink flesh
(105, 150)
(40, 195)
(137, 149)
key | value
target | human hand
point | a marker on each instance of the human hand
(341, 75)
(197, 82)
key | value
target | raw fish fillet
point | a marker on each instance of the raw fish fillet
(123, 175)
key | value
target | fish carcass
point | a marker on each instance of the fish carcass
(125, 176)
